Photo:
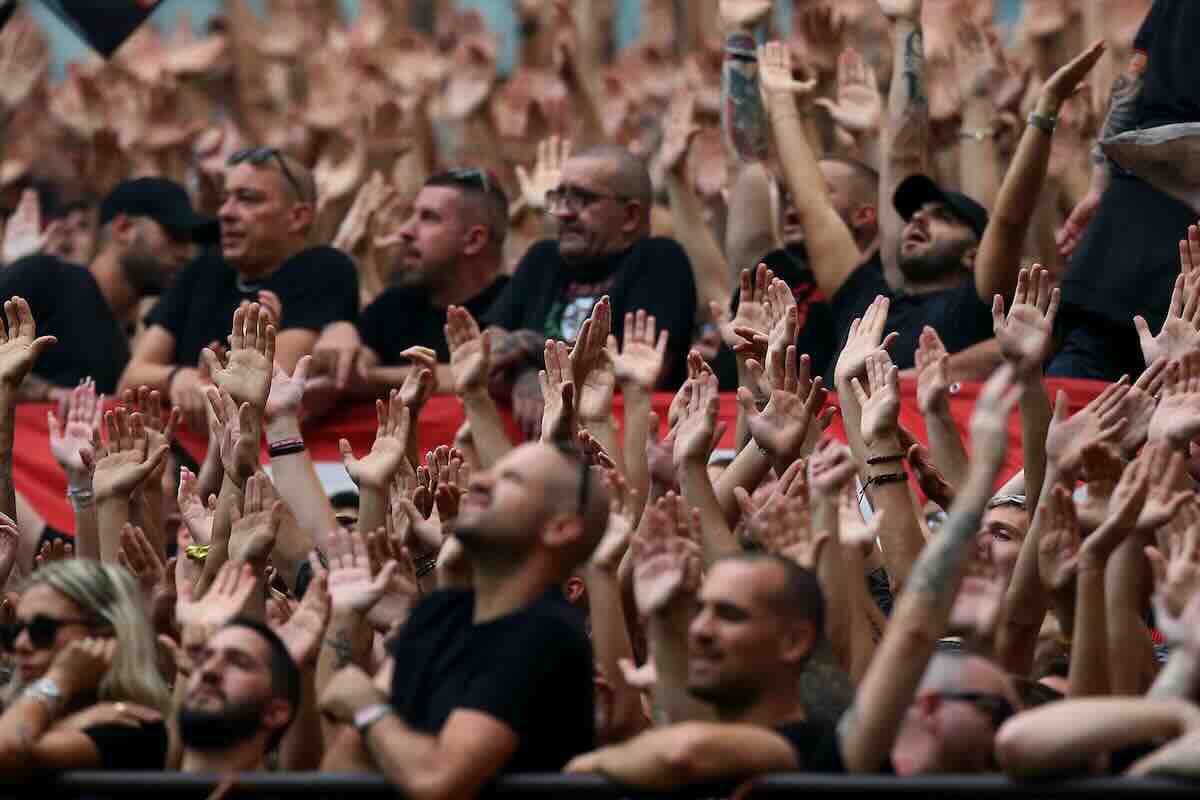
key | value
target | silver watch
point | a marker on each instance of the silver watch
(366, 717)
(46, 691)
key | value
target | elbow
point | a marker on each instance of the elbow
(683, 758)
(1022, 753)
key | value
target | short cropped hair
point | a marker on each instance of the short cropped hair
(865, 187)
(480, 188)
(799, 598)
(285, 674)
(629, 177)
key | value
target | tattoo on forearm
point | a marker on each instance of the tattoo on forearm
(944, 555)
(342, 647)
(914, 67)
(743, 118)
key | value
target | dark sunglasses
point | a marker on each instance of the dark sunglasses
(43, 631)
(261, 155)
(995, 706)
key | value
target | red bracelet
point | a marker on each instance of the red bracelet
(285, 447)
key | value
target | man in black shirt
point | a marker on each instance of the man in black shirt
(147, 232)
(1127, 257)
(452, 255)
(604, 248)
(498, 677)
(242, 694)
(266, 220)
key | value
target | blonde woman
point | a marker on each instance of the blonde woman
(86, 692)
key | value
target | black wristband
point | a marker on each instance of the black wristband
(885, 459)
(890, 477)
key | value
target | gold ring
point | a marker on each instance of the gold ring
(120, 708)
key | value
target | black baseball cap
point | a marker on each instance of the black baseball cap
(917, 190)
(163, 201)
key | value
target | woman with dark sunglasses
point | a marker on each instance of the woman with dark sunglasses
(86, 691)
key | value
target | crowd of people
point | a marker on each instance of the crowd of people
(240, 232)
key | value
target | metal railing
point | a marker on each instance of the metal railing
(809, 786)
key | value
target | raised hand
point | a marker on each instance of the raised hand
(23, 232)
(640, 356)
(126, 461)
(901, 9)
(233, 427)
(1140, 404)
(552, 153)
(751, 313)
(78, 433)
(989, 421)
(247, 374)
(255, 528)
(775, 75)
(470, 350)
(558, 394)
(931, 480)
(830, 469)
(977, 62)
(1058, 547)
(141, 559)
(1177, 418)
(196, 515)
(667, 567)
(377, 469)
(1165, 470)
(1177, 571)
(352, 588)
(695, 434)
(857, 105)
(622, 505)
(743, 14)
(933, 386)
(1102, 468)
(1065, 81)
(53, 552)
(1099, 421)
(1026, 334)
(304, 629)
(596, 393)
(678, 129)
(20, 345)
(1180, 331)
(286, 398)
(421, 381)
(864, 338)
(783, 426)
(223, 601)
(159, 430)
(880, 409)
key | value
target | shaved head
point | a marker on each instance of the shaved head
(626, 174)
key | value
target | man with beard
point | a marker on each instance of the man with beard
(148, 228)
(498, 677)
(266, 217)
(242, 695)
(452, 254)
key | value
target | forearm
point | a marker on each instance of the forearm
(145, 373)
(851, 413)
(1127, 587)
(697, 490)
(901, 538)
(671, 702)
(487, 428)
(8, 422)
(112, 513)
(1035, 426)
(211, 472)
(35, 389)
(714, 280)
(611, 643)
(346, 642)
(228, 498)
(831, 574)
(864, 633)
(24, 722)
(303, 744)
(1026, 601)
(1089, 646)
(604, 431)
(637, 408)
(300, 489)
(747, 470)
(906, 134)
(979, 169)
(147, 512)
(743, 119)
(946, 446)
(1066, 736)
(749, 222)
(975, 363)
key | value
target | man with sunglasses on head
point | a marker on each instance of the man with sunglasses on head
(495, 676)
(604, 247)
(452, 254)
(266, 217)
(148, 232)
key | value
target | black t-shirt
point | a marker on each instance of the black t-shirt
(1167, 38)
(66, 303)
(818, 748)
(958, 315)
(131, 747)
(531, 670)
(316, 287)
(403, 317)
(547, 296)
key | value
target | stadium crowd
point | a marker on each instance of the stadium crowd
(240, 232)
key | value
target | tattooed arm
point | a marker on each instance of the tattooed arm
(906, 126)
(743, 119)
(868, 729)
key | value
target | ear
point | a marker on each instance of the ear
(926, 706)
(301, 217)
(122, 228)
(277, 714)
(633, 213)
(968, 259)
(475, 240)
(865, 218)
(562, 531)
(575, 589)
(797, 641)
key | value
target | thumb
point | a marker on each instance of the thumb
(346, 450)
(384, 577)
(1143, 330)
(743, 500)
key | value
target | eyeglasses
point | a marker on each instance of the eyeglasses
(995, 706)
(573, 198)
(261, 155)
(43, 631)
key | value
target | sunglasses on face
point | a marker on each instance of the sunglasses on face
(995, 706)
(43, 631)
(257, 156)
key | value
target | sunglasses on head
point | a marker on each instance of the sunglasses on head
(996, 706)
(43, 631)
(471, 175)
(258, 156)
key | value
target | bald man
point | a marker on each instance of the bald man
(266, 218)
(602, 206)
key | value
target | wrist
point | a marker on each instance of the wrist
(78, 480)
(63, 681)
(282, 426)
(882, 446)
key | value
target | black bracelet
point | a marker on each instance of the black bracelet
(885, 459)
(891, 477)
(285, 447)
(424, 566)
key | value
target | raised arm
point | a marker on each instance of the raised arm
(868, 729)
(1000, 250)
(470, 353)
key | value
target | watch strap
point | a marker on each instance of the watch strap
(366, 717)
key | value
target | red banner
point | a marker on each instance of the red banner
(42, 483)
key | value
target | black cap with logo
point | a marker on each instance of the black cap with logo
(163, 201)
(917, 190)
